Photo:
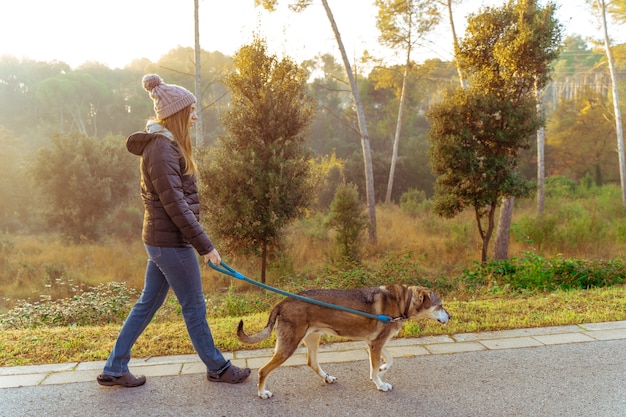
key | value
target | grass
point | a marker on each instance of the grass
(43, 345)
(63, 302)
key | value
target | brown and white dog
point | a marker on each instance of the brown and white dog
(299, 321)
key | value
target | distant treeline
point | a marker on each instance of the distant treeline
(39, 100)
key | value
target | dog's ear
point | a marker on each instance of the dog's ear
(435, 300)
(420, 295)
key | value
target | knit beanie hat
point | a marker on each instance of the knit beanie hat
(168, 98)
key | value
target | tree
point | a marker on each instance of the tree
(539, 34)
(257, 178)
(19, 107)
(198, 78)
(601, 6)
(365, 141)
(425, 81)
(346, 217)
(570, 151)
(477, 133)
(78, 97)
(15, 205)
(81, 180)
(402, 24)
(330, 132)
(474, 142)
(576, 68)
(455, 38)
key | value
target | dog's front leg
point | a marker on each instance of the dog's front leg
(375, 352)
(388, 361)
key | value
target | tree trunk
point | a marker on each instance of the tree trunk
(501, 251)
(455, 41)
(485, 234)
(541, 172)
(365, 142)
(198, 83)
(616, 108)
(396, 140)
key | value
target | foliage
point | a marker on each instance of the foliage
(18, 87)
(346, 217)
(78, 96)
(14, 189)
(106, 303)
(534, 273)
(509, 49)
(560, 187)
(589, 115)
(478, 133)
(235, 304)
(402, 24)
(413, 201)
(81, 180)
(31, 119)
(473, 150)
(528, 274)
(575, 56)
(327, 86)
(257, 180)
(327, 175)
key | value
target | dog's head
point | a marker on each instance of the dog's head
(425, 304)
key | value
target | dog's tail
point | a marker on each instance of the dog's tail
(260, 336)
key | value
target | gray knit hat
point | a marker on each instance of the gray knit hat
(168, 98)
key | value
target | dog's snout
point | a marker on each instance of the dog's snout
(444, 316)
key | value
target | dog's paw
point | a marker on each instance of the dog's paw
(384, 368)
(384, 386)
(329, 379)
(265, 394)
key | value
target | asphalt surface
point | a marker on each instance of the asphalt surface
(576, 379)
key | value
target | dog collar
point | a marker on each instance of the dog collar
(405, 315)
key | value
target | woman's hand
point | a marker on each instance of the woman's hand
(214, 257)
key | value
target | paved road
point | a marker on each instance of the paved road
(576, 379)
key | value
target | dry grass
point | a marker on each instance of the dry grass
(38, 265)
(33, 265)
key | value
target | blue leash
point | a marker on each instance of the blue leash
(227, 270)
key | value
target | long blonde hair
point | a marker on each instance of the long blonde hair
(178, 124)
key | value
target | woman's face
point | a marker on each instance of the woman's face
(193, 116)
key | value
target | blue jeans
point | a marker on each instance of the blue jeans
(179, 269)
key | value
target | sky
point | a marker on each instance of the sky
(115, 32)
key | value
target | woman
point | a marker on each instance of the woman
(171, 234)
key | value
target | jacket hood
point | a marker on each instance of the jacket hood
(137, 142)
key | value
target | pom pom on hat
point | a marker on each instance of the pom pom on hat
(168, 98)
(150, 81)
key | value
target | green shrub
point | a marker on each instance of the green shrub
(559, 187)
(106, 303)
(532, 273)
(346, 217)
(238, 304)
(413, 201)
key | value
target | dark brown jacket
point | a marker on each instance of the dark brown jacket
(170, 198)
